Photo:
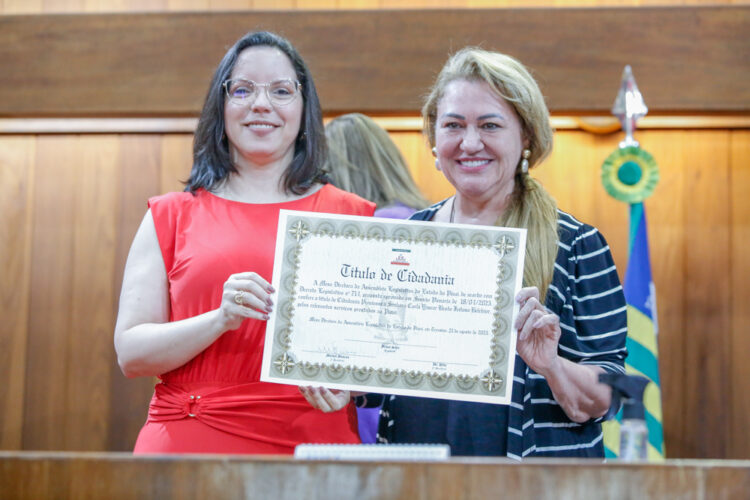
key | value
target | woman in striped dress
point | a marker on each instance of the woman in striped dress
(488, 123)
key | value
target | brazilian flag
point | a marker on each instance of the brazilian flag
(630, 174)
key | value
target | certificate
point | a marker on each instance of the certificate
(394, 306)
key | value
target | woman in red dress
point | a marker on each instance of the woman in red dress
(196, 291)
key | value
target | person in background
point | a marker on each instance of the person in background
(488, 123)
(196, 290)
(363, 159)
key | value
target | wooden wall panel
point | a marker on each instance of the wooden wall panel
(707, 293)
(16, 181)
(739, 332)
(89, 341)
(66, 65)
(140, 164)
(176, 161)
(665, 211)
(51, 300)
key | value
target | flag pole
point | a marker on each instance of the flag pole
(630, 174)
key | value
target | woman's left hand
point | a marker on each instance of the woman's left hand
(325, 400)
(538, 332)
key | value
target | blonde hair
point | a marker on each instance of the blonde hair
(531, 206)
(363, 159)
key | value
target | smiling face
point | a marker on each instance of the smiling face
(479, 140)
(260, 132)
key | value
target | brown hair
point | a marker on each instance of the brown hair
(211, 161)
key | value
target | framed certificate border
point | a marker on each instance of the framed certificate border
(298, 231)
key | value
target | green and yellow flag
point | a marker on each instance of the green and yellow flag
(643, 353)
(630, 174)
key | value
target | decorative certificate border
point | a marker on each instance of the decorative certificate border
(283, 363)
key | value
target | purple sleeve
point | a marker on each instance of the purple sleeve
(395, 211)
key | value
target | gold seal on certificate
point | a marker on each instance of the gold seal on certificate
(395, 307)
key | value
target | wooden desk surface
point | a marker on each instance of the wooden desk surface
(120, 475)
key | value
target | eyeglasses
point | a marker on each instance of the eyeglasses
(279, 92)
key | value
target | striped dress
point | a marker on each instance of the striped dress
(587, 296)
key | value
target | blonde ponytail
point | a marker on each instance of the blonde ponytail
(535, 210)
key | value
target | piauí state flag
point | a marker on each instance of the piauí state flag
(643, 355)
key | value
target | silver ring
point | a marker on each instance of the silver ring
(238, 297)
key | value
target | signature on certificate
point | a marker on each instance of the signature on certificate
(333, 350)
(389, 330)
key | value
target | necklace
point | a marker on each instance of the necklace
(453, 208)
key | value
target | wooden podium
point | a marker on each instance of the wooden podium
(39, 475)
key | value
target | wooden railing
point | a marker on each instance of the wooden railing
(123, 476)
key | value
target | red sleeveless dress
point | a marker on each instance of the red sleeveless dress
(215, 403)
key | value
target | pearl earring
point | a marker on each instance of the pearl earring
(525, 161)
(437, 162)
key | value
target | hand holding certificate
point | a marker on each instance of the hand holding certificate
(397, 307)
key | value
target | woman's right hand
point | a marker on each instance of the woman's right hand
(245, 295)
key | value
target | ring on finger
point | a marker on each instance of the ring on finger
(239, 297)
